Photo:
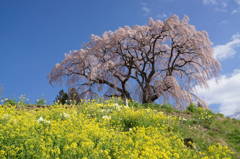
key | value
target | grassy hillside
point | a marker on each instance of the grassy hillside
(109, 129)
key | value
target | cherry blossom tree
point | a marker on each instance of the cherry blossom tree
(161, 59)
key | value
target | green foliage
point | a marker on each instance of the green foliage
(41, 102)
(134, 104)
(71, 97)
(168, 108)
(192, 108)
(9, 102)
(62, 97)
(234, 138)
(21, 102)
(200, 115)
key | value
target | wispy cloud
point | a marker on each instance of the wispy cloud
(162, 16)
(237, 1)
(225, 92)
(220, 5)
(209, 1)
(146, 10)
(234, 11)
(229, 49)
(230, 6)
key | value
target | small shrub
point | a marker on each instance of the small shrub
(9, 102)
(134, 104)
(192, 108)
(22, 101)
(168, 108)
(40, 102)
(61, 98)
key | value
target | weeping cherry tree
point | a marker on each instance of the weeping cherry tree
(163, 59)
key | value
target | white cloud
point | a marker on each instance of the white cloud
(238, 2)
(228, 6)
(209, 1)
(219, 3)
(225, 92)
(223, 22)
(146, 10)
(234, 11)
(229, 49)
(162, 16)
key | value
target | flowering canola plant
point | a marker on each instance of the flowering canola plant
(95, 130)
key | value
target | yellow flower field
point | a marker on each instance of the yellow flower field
(95, 130)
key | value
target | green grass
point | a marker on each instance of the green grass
(205, 127)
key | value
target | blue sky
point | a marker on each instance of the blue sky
(35, 34)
